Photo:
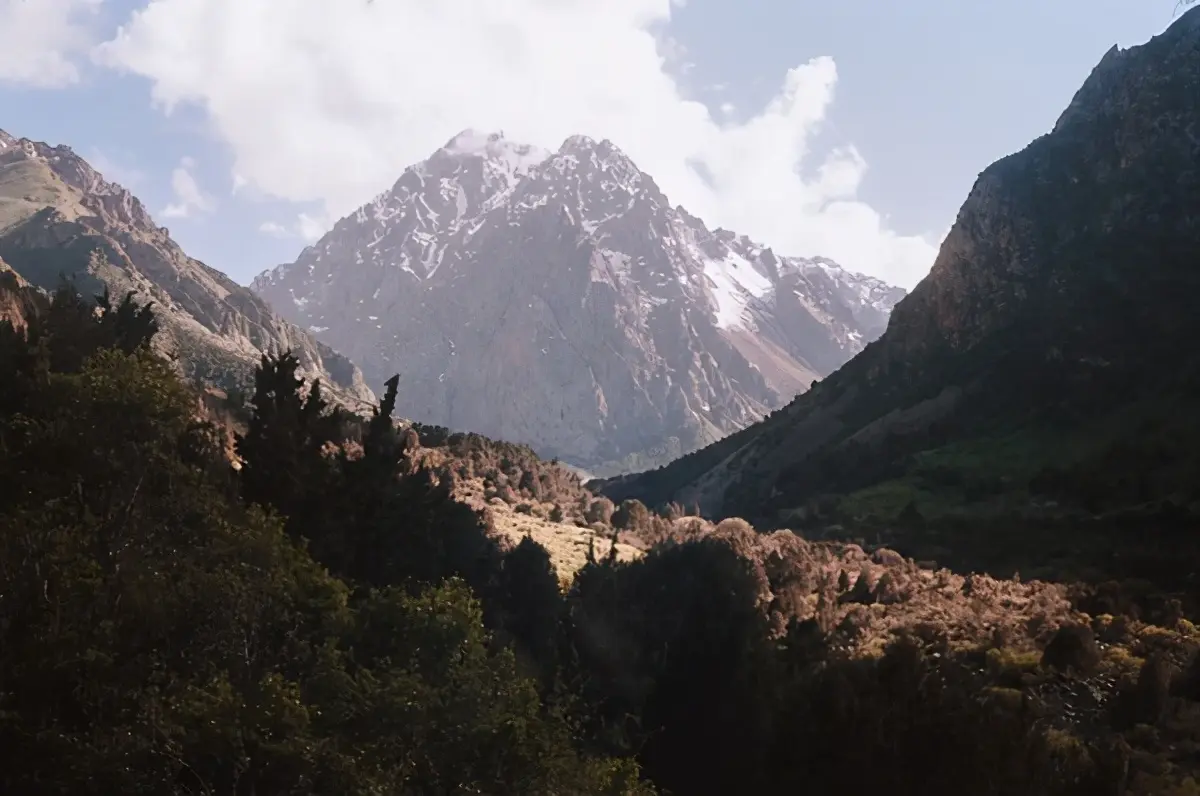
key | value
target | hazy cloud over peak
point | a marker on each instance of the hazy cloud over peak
(327, 101)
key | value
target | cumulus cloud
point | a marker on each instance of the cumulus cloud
(274, 229)
(307, 227)
(189, 198)
(311, 228)
(118, 171)
(328, 101)
(39, 40)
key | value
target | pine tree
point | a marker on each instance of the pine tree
(530, 608)
(283, 465)
(127, 326)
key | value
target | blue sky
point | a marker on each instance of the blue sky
(863, 154)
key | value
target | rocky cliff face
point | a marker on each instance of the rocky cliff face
(1061, 305)
(557, 299)
(19, 300)
(59, 216)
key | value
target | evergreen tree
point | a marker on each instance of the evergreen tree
(283, 464)
(648, 637)
(126, 326)
(531, 607)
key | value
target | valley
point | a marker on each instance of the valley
(522, 480)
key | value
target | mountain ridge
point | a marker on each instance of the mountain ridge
(617, 329)
(1055, 321)
(60, 217)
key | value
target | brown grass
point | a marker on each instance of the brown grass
(567, 543)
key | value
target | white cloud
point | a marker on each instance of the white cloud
(307, 227)
(189, 198)
(311, 227)
(120, 172)
(40, 38)
(273, 229)
(328, 100)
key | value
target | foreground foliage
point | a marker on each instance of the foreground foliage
(157, 635)
(329, 619)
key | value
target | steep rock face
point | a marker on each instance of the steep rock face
(19, 300)
(557, 299)
(1064, 296)
(59, 216)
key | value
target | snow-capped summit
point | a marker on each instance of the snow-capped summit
(557, 298)
(507, 156)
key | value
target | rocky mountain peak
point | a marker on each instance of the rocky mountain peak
(557, 299)
(501, 154)
(1110, 137)
(104, 199)
(587, 184)
(578, 143)
(600, 163)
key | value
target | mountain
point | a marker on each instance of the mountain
(558, 299)
(1047, 366)
(60, 217)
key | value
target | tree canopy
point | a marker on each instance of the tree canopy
(329, 618)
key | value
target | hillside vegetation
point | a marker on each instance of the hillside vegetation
(331, 617)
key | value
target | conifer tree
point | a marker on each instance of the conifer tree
(531, 608)
(282, 461)
(127, 326)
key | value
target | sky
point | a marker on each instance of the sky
(839, 129)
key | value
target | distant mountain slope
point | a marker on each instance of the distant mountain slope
(557, 299)
(1050, 360)
(59, 216)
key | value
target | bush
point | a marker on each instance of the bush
(733, 526)
(1072, 648)
(599, 511)
(1149, 699)
(632, 516)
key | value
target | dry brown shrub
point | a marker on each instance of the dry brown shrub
(632, 515)
(733, 526)
(800, 579)
(887, 558)
(600, 511)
